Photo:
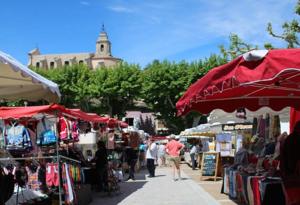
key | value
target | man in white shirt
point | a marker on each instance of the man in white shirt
(193, 153)
(151, 156)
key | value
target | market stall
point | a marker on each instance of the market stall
(38, 144)
(20, 83)
(254, 80)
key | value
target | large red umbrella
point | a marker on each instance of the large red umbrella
(256, 79)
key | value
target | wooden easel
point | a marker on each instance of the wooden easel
(207, 171)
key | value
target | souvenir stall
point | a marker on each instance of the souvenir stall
(200, 136)
(39, 157)
(256, 79)
(256, 165)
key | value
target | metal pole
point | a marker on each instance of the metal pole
(27, 158)
(58, 161)
(70, 159)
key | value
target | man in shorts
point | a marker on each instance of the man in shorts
(173, 148)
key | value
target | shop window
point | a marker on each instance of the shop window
(52, 64)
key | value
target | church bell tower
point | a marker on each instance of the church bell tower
(103, 45)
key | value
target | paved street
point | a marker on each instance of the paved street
(158, 191)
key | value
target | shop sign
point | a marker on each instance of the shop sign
(233, 127)
(209, 165)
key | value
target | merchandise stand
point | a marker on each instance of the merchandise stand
(57, 157)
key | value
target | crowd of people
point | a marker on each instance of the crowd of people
(149, 154)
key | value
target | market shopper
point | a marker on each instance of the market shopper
(193, 155)
(162, 154)
(151, 156)
(173, 148)
(132, 156)
(101, 165)
(290, 159)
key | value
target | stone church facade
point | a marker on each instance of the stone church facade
(101, 58)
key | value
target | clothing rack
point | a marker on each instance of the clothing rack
(57, 156)
(45, 157)
(26, 158)
(69, 159)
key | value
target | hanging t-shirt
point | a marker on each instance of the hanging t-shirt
(64, 129)
(17, 137)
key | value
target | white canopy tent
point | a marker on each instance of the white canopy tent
(19, 82)
(220, 116)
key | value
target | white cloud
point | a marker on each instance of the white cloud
(120, 9)
(166, 28)
(85, 3)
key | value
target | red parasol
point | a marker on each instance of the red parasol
(256, 79)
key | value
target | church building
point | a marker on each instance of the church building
(101, 58)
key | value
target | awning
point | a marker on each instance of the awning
(257, 79)
(17, 82)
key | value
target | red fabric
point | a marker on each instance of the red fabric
(293, 195)
(63, 128)
(252, 159)
(239, 187)
(112, 123)
(123, 124)
(255, 189)
(272, 81)
(89, 117)
(294, 118)
(30, 111)
(20, 112)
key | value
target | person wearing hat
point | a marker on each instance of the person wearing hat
(173, 148)
(151, 156)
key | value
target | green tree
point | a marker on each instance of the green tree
(163, 83)
(74, 83)
(290, 31)
(236, 47)
(116, 88)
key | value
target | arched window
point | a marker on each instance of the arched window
(37, 64)
(67, 63)
(52, 64)
(102, 48)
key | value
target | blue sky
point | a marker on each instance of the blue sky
(140, 30)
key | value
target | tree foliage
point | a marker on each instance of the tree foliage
(290, 31)
(74, 84)
(236, 47)
(116, 88)
(163, 83)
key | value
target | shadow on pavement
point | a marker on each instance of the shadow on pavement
(127, 188)
(162, 175)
